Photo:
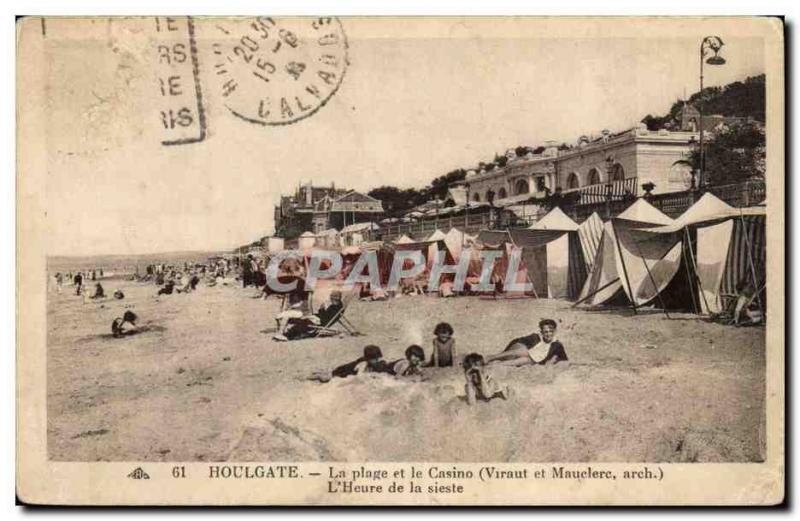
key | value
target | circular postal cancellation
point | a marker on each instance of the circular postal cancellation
(278, 71)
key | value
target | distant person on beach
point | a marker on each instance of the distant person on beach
(533, 349)
(247, 271)
(118, 294)
(168, 288)
(125, 325)
(59, 282)
(444, 346)
(98, 291)
(479, 383)
(371, 362)
(78, 281)
(412, 364)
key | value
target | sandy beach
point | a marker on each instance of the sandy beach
(207, 383)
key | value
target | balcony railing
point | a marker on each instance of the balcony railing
(600, 193)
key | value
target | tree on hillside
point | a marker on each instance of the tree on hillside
(734, 154)
(397, 201)
(500, 161)
(655, 122)
(439, 186)
(739, 99)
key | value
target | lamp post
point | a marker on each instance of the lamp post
(714, 44)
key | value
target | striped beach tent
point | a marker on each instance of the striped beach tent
(590, 232)
(725, 247)
(632, 264)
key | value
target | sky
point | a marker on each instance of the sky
(419, 98)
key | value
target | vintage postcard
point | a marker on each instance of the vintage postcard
(274, 260)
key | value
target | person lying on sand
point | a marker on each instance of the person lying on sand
(125, 325)
(533, 349)
(480, 384)
(293, 323)
(411, 365)
(371, 362)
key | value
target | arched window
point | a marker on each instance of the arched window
(502, 194)
(521, 187)
(573, 181)
(594, 177)
(476, 197)
(680, 175)
(617, 173)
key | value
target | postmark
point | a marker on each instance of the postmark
(276, 71)
(181, 109)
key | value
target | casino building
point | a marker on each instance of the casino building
(627, 159)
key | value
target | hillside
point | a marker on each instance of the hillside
(740, 99)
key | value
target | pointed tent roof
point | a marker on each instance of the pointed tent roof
(705, 207)
(437, 235)
(591, 221)
(555, 220)
(403, 239)
(329, 231)
(708, 209)
(644, 212)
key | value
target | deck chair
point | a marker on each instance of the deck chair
(728, 314)
(339, 323)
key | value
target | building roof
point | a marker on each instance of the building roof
(359, 227)
(353, 201)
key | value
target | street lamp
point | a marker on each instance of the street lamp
(709, 44)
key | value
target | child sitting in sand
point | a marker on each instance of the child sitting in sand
(125, 325)
(99, 292)
(411, 365)
(444, 346)
(371, 362)
(480, 384)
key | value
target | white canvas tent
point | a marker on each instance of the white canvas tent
(725, 246)
(629, 264)
(556, 220)
(455, 240)
(437, 235)
(552, 251)
(403, 239)
(306, 241)
(275, 244)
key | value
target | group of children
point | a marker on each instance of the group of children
(534, 349)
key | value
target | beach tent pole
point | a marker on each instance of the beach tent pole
(533, 286)
(593, 293)
(752, 264)
(694, 268)
(624, 268)
(652, 279)
(691, 289)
